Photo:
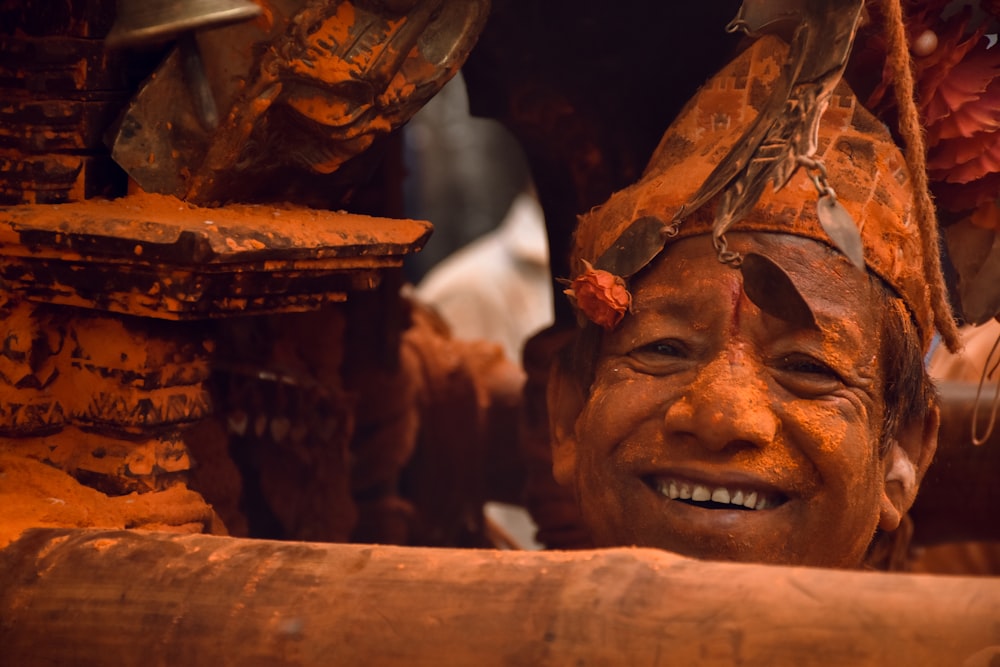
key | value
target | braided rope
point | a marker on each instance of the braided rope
(912, 131)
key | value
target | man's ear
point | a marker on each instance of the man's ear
(908, 458)
(565, 400)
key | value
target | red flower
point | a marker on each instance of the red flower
(960, 103)
(958, 94)
(600, 295)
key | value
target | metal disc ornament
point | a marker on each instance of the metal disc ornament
(771, 289)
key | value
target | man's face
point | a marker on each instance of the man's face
(716, 430)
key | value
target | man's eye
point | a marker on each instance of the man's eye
(807, 370)
(663, 348)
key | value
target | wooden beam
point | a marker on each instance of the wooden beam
(133, 598)
(959, 498)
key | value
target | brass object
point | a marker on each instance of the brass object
(146, 22)
(151, 22)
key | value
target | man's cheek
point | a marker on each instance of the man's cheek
(827, 430)
(611, 414)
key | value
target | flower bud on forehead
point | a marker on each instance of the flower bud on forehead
(863, 165)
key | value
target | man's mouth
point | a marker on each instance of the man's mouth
(718, 497)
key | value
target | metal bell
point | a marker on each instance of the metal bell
(149, 22)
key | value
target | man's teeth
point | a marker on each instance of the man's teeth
(700, 493)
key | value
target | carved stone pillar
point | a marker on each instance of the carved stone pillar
(110, 313)
(103, 397)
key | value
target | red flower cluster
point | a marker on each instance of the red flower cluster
(601, 296)
(956, 61)
(958, 87)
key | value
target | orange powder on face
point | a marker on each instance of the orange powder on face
(817, 426)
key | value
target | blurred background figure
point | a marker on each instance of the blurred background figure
(497, 288)
(485, 269)
(462, 174)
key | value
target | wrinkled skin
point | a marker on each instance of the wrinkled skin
(699, 387)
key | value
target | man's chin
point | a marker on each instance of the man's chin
(723, 551)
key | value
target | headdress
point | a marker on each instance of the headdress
(844, 183)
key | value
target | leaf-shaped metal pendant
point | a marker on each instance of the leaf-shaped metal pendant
(758, 16)
(841, 228)
(772, 290)
(635, 248)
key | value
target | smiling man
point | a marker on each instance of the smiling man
(753, 395)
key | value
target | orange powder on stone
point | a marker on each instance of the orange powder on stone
(33, 494)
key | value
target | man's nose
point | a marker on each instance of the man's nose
(729, 405)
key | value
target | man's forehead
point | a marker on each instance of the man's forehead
(686, 279)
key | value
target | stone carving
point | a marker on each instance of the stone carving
(303, 90)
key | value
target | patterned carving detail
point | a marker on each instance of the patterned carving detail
(62, 366)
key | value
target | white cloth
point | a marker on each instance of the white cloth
(498, 287)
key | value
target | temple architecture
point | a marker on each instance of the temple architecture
(228, 434)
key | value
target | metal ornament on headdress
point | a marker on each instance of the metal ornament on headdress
(874, 180)
(636, 246)
(784, 136)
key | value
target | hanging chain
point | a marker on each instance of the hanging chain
(817, 172)
(725, 255)
(671, 230)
